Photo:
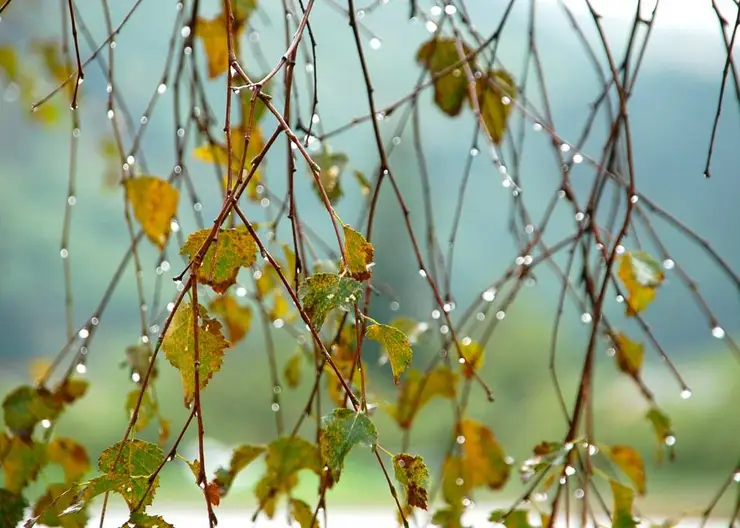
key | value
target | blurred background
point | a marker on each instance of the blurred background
(672, 110)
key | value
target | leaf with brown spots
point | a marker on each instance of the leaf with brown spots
(360, 254)
(412, 473)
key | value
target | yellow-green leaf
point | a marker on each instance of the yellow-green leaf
(147, 408)
(179, 347)
(484, 459)
(303, 514)
(629, 355)
(661, 423)
(293, 368)
(365, 186)
(26, 406)
(472, 352)
(21, 462)
(395, 344)
(72, 456)
(496, 92)
(324, 292)
(360, 254)
(155, 204)
(642, 276)
(342, 430)
(415, 392)
(240, 458)
(624, 499)
(412, 473)
(515, 519)
(631, 464)
(238, 318)
(450, 89)
(332, 166)
(218, 153)
(144, 520)
(231, 250)
(138, 461)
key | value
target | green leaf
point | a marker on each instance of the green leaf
(286, 456)
(27, 406)
(661, 423)
(516, 519)
(484, 459)
(240, 458)
(360, 254)
(12, 507)
(448, 518)
(496, 92)
(155, 204)
(138, 357)
(631, 464)
(64, 511)
(238, 318)
(395, 344)
(138, 461)
(21, 461)
(624, 498)
(450, 89)
(302, 513)
(365, 186)
(341, 431)
(293, 368)
(231, 250)
(144, 520)
(179, 347)
(412, 473)
(72, 456)
(629, 355)
(642, 275)
(147, 408)
(332, 166)
(413, 329)
(324, 292)
(455, 487)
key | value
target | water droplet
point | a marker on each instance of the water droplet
(444, 329)
(459, 481)
(84, 333)
(506, 100)
(76, 132)
(611, 351)
(375, 43)
(174, 226)
(686, 394)
(278, 323)
(447, 307)
(579, 493)
(461, 439)
(130, 159)
(489, 295)
(620, 298)
(564, 147)
(81, 368)
(570, 470)
(619, 249)
(577, 158)
(736, 476)
(180, 133)
(668, 264)
(474, 152)
(435, 11)
(461, 360)
(580, 216)
(422, 273)
(670, 440)
(436, 314)
(718, 332)
(71, 200)
(480, 316)
(309, 68)
(185, 31)
(45, 423)
(592, 450)
(135, 377)
(634, 198)
(431, 26)
(396, 140)
(586, 318)
(265, 202)
(529, 229)
(500, 315)
(540, 497)
(275, 407)
(111, 114)
(197, 206)
(94, 321)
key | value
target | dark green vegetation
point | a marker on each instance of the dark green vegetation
(429, 319)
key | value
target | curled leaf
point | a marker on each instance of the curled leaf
(396, 345)
(412, 473)
(631, 464)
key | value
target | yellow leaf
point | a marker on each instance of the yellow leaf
(629, 355)
(360, 254)
(624, 499)
(231, 250)
(415, 392)
(215, 41)
(38, 369)
(332, 166)
(642, 276)
(238, 318)
(179, 347)
(495, 92)
(21, 462)
(303, 514)
(473, 354)
(155, 203)
(218, 153)
(630, 462)
(395, 344)
(292, 372)
(71, 456)
(483, 456)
